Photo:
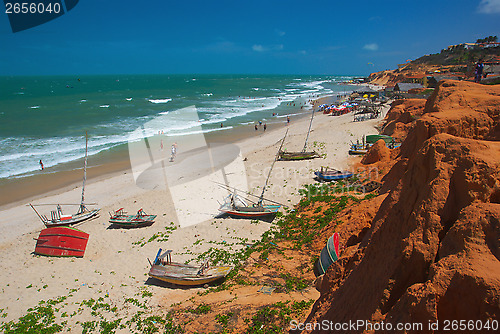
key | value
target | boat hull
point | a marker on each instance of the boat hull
(329, 254)
(75, 219)
(132, 221)
(290, 156)
(357, 152)
(333, 177)
(269, 211)
(61, 242)
(186, 275)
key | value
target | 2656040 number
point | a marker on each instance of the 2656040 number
(32, 8)
(471, 325)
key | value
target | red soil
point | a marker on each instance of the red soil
(429, 248)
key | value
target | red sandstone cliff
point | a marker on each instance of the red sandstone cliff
(428, 248)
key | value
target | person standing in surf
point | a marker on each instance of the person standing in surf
(41, 164)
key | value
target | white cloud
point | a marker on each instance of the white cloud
(371, 47)
(258, 48)
(279, 32)
(261, 48)
(489, 6)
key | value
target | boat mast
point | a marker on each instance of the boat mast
(261, 198)
(307, 137)
(82, 204)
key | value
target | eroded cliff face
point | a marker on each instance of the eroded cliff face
(430, 249)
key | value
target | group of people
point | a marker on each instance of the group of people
(259, 125)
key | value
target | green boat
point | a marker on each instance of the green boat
(372, 139)
(121, 219)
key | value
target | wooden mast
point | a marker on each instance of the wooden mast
(261, 198)
(82, 204)
(307, 137)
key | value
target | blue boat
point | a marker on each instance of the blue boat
(329, 254)
(326, 174)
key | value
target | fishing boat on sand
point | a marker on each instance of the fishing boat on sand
(165, 270)
(358, 149)
(61, 241)
(57, 218)
(302, 155)
(121, 219)
(327, 174)
(236, 205)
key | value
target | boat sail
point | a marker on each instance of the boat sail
(302, 155)
(57, 218)
(237, 206)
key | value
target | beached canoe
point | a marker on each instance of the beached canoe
(61, 241)
(120, 218)
(165, 270)
(329, 254)
(326, 174)
(292, 156)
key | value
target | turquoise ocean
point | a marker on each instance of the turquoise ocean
(45, 118)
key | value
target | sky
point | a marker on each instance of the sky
(242, 37)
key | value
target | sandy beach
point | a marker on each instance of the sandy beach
(115, 264)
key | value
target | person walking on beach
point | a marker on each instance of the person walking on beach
(256, 128)
(41, 164)
(174, 151)
(478, 71)
(265, 126)
(287, 120)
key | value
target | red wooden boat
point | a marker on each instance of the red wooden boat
(61, 241)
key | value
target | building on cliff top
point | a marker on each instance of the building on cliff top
(405, 87)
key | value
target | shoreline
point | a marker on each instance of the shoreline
(116, 161)
(14, 191)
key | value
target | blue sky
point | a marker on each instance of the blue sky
(261, 37)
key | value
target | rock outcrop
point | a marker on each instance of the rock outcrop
(378, 152)
(432, 250)
(400, 117)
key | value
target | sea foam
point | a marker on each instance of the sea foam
(159, 100)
